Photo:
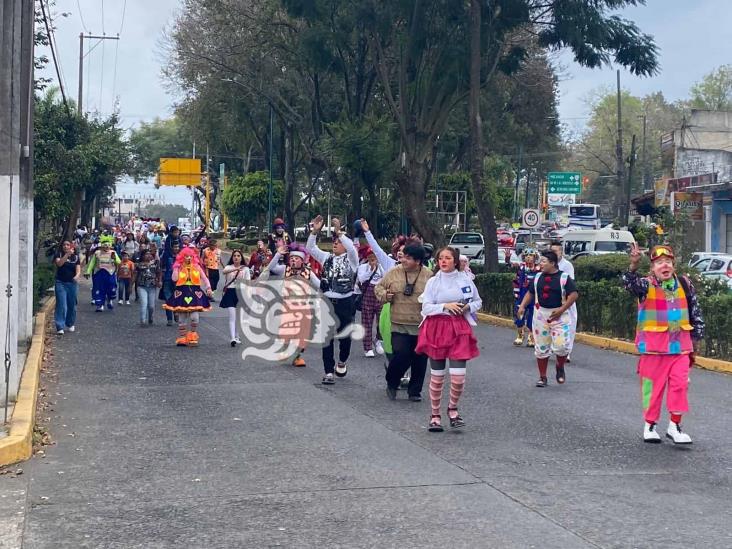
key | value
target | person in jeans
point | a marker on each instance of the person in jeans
(401, 287)
(338, 277)
(166, 292)
(148, 281)
(68, 270)
(125, 273)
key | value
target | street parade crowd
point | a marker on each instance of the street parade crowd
(417, 306)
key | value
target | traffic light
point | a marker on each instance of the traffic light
(585, 182)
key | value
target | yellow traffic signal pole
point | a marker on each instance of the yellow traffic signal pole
(226, 217)
(207, 211)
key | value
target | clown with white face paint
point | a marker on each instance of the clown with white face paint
(669, 322)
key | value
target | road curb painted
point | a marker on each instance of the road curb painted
(18, 445)
(613, 344)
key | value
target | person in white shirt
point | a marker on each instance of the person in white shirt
(234, 272)
(369, 274)
(449, 301)
(566, 267)
(338, 277)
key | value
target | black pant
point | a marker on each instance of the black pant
(344, 310)
(213, 278)
(403, 358)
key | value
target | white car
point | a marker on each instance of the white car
(504, 255)
(469, 244)
(718, 266)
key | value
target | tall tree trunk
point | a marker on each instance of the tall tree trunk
(481, 192)
(413, 187)
(73, 215)
(289, 176)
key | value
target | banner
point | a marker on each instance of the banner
(662, 193)
(691, 204)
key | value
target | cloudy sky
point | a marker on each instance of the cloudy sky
(693, 36)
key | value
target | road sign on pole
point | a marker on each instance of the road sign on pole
(530, 218)
(565, 182)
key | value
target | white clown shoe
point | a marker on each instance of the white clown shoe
(650, 433)
(676, 434)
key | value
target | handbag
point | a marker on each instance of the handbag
(358, 302)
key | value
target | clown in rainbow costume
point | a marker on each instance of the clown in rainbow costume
(190, 295)
(103, 268)
(669, 322)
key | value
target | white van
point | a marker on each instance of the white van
(469, 244)
(596, 242)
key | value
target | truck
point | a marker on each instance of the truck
(586, 216)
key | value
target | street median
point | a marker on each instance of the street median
(612, 344)
(18, 444)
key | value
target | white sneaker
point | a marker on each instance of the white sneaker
(379, 347)
(404, 383)
(60, 332)
(369, 354)
(341, 369)
(127, 302)
(328, 379)
(237, 340)
(71, 328)
(675, 433)
(650, 434)
(120, 302)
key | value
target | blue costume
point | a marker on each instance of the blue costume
(103, 268)
(523, 280)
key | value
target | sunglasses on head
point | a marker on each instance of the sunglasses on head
(660, 252)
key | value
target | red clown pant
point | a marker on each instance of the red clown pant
(658, 371)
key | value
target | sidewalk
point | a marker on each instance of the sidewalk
(159, 446)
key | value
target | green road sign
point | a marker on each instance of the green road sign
(564, 182)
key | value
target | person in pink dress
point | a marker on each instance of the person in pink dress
(449, 301)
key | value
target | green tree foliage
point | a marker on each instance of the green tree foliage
(152, 140)
(714, 92)
(167, 212)
(246, 199)
(74, 155)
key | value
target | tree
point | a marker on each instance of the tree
(245, 200)
(160, 138)
(167, 212)
(714, 92)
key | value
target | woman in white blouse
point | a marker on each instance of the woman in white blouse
(449, 302)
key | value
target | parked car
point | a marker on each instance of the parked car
(718, 266)
(602, 241)
(469, 244)
(525, 237)
(479, 260)
(696, 257)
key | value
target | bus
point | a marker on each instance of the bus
(586, 216)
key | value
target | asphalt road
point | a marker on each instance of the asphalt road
(158, 446)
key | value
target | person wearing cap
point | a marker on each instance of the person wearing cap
(336, 282)
(295, 273)
(279, 236)
(669, 323)
(523, 280)
(368, 276)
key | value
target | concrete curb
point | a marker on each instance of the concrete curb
(613, 344)
(18, 445)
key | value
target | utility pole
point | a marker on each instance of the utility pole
(645, 157)
(518, 177)
(622, 201)
(271, 183)
(81, 65)
(631, 166)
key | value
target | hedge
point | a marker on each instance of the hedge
(44, 276)
(606, 308)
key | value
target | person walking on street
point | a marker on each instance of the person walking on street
(234, 272)
(402, 287)
(212, 260)
(338, 277)
(148, 280)
(524, 279)
(553, 293)
(449, 301)
(68, 270)
(190, 296)
(368, 276)
(166, 292)
(125, 276)
(259, 259)
(103, 270)
(670, 323)
(565, 265)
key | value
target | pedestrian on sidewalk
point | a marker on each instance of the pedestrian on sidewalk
(338, 277)
(565, 265)
(103, 270)
(66, 287)
(402, 287)
(190, 296)
(148, 281)
(670, 324)
(211, 255)
(524, 279)
(297, 277)
(125, 275)
(235, 272)
(553, 293)
(166, 292)
(449, 301)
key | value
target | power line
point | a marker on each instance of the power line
(53, 54)
(81, 16)
(124, 10)
(101, 78)
(103, 18)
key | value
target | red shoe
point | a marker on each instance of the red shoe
(299, 362)
(192, 339)
(182, 341)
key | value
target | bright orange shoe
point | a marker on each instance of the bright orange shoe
(182, 341)
(299, 362)
(192, 339)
